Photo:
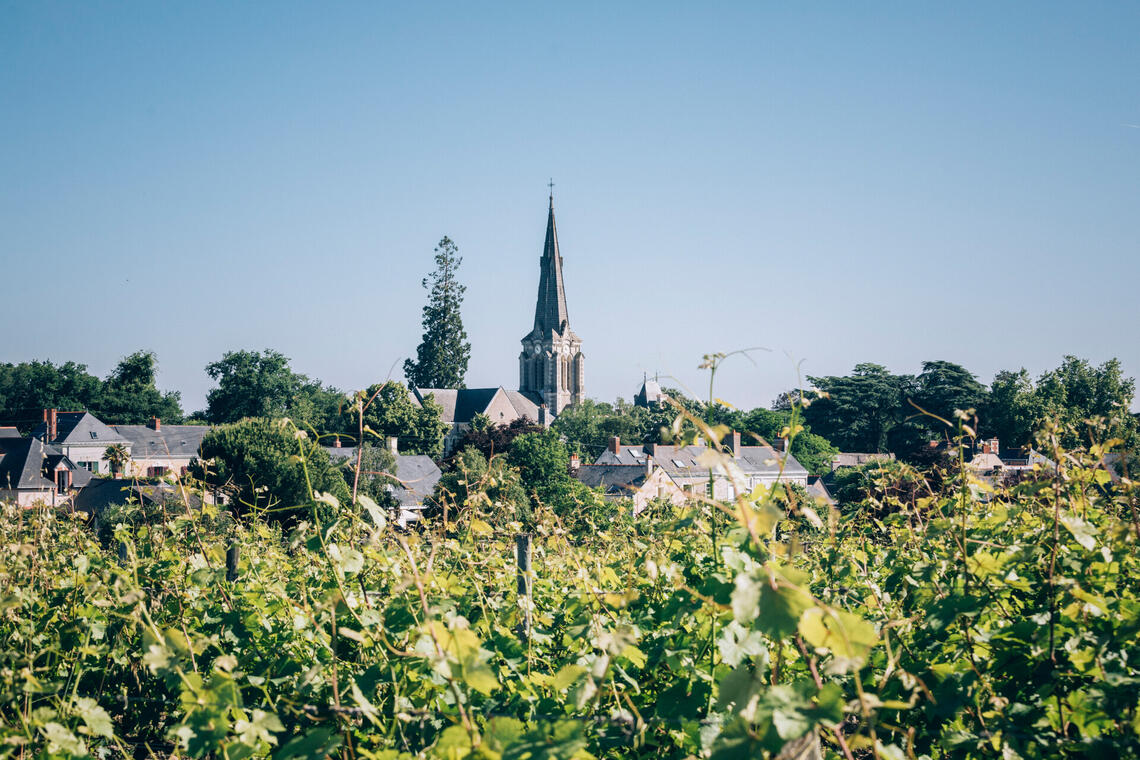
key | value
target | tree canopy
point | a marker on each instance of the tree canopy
(131, 395)
(442, 356)
(389, 411)
(258, 461)
(262, 384)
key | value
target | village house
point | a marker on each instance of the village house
(689, 469)
(32, 472)
(642, 483)
(154, 449)
(416, 476)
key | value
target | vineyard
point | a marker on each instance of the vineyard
(960, 619)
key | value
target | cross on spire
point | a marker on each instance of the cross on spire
(550, 184)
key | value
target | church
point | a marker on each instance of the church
(551, 364)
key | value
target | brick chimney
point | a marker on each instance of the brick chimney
(648, 465)
(732, 441)
(615, 445)
(992, 446)
(336, 442)
(393, 445)
(155, 424)
(51, 424)
(575, 463)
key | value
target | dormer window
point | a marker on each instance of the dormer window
(94, 434)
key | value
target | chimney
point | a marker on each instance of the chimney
(733, 443)
(52, 419)
(542, 416)
(992, 446)
(649, 465)
(393, 445)
(784, 445)
(575, 463)
(615, 445)
(650, 449)
(336, 442)
(155, 424)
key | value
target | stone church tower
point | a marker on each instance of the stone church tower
(550, 365)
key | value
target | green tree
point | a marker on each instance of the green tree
(542, 461)
(390, 411)
(442, 356)
(130, 395)
(863, 411)
(1077, 391)
(1012, 410)
(944, 387)
(26, 389)
(117, 457)
(262, 384)
(496, 439)
(268, 464)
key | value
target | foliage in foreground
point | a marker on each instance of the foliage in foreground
(961, 623)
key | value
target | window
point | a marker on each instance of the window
(678, 463)
(62, 480)
(94, 434)
(155, 472)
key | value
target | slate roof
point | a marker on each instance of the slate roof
(613, 478)
(104, 492)
(78, 428)
(650, 393)
(855, 459)
(168, 440)
(9, 432)
(461, 406)
(817, 490)
(417, 473)
(24, 462)
(682, 461)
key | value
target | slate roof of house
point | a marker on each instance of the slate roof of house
(682, 461)
(23, 462)
(854, 459)
(461, 406)
(417, 473)
(168, 440)
(104, 492)
(613, 478)
(9, 432)
(817, 490)
(77, 428)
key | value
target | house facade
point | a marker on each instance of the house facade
(641, 483)
(155, 450)
(33, 473)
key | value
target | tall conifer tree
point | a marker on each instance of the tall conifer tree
(441, 359)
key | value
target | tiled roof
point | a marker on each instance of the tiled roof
(626, 477)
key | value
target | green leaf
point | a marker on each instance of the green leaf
(567, 676)
(315, 745)
(1083, 532)
(96, 720)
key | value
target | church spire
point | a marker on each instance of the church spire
(550, 311)
(551, 369)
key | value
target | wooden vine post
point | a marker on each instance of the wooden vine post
(525, 582)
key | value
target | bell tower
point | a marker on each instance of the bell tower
(551, 363)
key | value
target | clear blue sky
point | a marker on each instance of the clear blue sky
(886, 183)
